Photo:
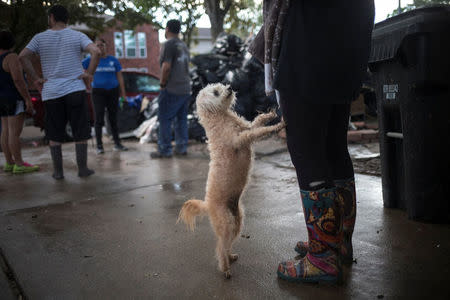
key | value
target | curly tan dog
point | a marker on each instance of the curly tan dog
(230, 138)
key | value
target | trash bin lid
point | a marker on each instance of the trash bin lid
(388, 35)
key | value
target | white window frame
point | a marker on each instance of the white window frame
(133, 35)
(144, 46)
(115, 46)
(138, 46)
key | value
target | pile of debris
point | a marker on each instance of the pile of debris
(227, 63)
(230, 63)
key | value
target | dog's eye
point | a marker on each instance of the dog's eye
(216, 93)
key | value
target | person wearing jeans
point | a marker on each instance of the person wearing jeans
(172, 109)
(175, 93)
(108, 82)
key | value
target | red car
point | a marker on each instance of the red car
(135, 83)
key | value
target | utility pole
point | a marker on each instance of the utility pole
(399, 6)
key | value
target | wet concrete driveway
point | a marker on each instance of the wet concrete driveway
(113, 235)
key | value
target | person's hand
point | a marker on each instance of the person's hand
(29, 107)
(87, 78)
(39, 84)
(269, 92)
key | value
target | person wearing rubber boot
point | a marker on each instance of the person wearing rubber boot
(63, 86)
(315, 57)
(108, 83)
(15, 101)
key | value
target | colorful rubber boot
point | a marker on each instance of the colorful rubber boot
(25, 168)
(323, 211)
(346, 188)
(8, 167)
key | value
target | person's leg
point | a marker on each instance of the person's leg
(7, 109)
(343, 174)
(78, 115)
(112, 105)
(307, 131)
(337, 151)
(15, 125)
(181, 126)
(166, 114)
(5, 146)
(99, 108)
(55, 127)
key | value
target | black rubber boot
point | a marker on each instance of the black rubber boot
(81, 153)
(56, 153)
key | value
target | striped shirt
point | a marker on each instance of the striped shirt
(60, 52)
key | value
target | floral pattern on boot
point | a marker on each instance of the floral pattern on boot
(324, 216)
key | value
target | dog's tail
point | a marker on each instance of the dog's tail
(190, 210)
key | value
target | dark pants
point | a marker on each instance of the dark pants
(72, 108)
(108, 99)
(317, 142)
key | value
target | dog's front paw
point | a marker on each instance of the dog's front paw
(271, 114)
(227, 274)
(280, 125)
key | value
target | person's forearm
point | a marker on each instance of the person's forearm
(121, 85)
(165, 72)
(28, 68)
(22, 88)
(95, 58)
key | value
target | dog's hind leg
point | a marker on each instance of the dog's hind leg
(224, 230)
(222, 257)
(236, 230)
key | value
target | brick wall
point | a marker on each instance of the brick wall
(153, 47)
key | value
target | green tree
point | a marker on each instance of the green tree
(25, 18)
(237, 16)
(244, 18)
(416, 4)
(240, 15)
(160, 11)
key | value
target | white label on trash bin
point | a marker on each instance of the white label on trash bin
(390, 96)
(391, 91)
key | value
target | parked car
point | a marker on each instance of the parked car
(136, 83)
(141, 83)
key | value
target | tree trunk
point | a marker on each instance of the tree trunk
(216, 26)
(187, 37)
(217, 15)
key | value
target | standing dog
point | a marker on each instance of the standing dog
(230, 138)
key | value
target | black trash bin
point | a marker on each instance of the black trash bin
(410, 61)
